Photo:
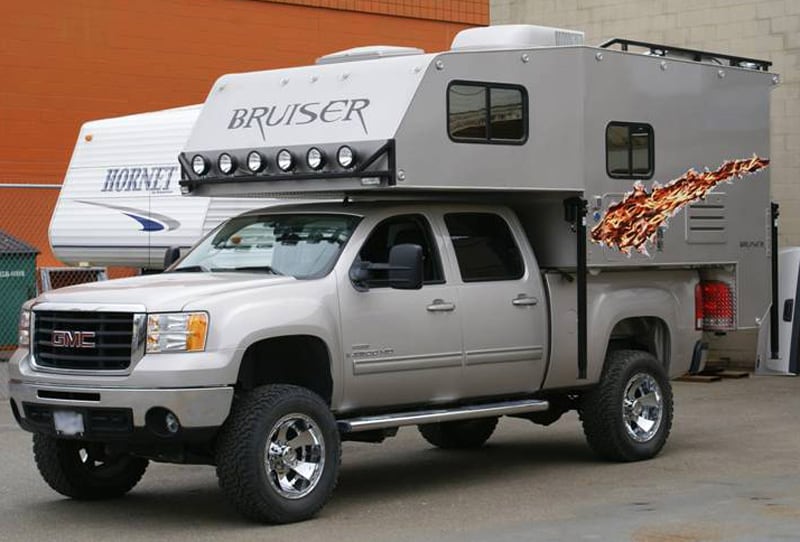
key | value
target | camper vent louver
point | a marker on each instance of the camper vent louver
(707, 220)
(568, 37)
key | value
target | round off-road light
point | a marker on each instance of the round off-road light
(345, 156)
(199, 164)
(285, 160)
(226, 163)
(255, 161)
(314, 158)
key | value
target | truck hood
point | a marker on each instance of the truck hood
(164, 292)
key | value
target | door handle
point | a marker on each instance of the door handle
(439, 305)
(523, 300)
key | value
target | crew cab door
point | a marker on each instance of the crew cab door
(502, 304)
(400, 346)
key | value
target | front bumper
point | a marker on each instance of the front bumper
(120, 413)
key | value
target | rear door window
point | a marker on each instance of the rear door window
(484, 247)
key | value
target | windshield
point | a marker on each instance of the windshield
(298, 245)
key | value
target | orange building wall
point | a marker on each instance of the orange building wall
(66, 62)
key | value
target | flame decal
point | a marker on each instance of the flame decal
(635, 220)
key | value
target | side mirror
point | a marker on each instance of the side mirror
(172, 255)
(405, 267)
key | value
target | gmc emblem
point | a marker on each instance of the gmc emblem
(73, 339)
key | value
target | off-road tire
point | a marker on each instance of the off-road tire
(71, 468)
(602, 413)
(459, 435)
(242, 467)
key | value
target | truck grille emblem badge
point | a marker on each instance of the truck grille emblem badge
(73, 339)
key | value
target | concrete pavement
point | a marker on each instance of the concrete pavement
(730, 471)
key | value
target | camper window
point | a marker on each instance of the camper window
(629, 150)
(487, 113)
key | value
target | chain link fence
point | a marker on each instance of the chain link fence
(27, 264)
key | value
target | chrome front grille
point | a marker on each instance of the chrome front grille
(84, 340)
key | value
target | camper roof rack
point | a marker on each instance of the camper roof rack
(656, 49)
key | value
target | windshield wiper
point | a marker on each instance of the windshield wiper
(263, 268)
(191, 269)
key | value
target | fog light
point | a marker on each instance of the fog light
(226, 163)
(285, 160)
(171, 423)
(255, 161)
(162, 422)
(199, 164)
(314, 158)
(345, 156)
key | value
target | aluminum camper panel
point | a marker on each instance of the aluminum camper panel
(701, 116)
(549, 159)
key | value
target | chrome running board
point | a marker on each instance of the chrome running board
(399, 419)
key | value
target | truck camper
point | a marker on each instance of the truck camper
(522, 225)
(120, 203)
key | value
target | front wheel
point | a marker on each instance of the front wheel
(278, 454)
(85, 470)
(628, 416)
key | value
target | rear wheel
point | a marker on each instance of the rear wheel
(628, 416)
(463, 434)
(278, 454)
(85, 470)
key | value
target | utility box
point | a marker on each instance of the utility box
(17, 285)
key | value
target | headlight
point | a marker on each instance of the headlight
(345, 156)
(226, 163)
(177, 332)
(255, 161)
(24, 328)
(199, 164)
(285, 160)
(314, 158)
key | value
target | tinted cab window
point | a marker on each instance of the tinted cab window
(484, 247)
(398, 230)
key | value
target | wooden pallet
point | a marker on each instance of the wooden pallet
(713, 375)
(699, 378)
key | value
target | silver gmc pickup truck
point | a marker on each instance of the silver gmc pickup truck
(484, 245)
(288, 329)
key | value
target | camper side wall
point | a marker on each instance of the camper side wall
(691, 116)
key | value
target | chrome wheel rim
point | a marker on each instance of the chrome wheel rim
(642, 407)
(295, 456)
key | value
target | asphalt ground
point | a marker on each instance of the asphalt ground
(730, 471)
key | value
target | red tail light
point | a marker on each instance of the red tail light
(714, 306)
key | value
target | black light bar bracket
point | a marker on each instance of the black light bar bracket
(190, 180)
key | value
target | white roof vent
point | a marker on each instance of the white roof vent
(514, 36)
(370, 52)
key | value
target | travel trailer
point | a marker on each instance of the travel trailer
(120, 203)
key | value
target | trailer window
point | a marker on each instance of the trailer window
(487, 113)
(629, 150)
(484, 246)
